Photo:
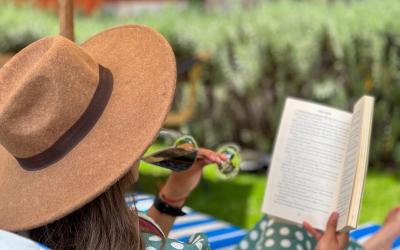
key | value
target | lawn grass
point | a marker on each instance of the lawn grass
(239, 200)
(382, 192)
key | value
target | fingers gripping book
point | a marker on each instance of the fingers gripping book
(319, 163)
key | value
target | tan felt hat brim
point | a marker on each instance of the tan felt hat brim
(144, 72)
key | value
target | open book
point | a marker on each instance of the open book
(319, 163)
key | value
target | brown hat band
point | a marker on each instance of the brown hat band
(78, 131)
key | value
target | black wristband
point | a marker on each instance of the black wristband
(165, 208)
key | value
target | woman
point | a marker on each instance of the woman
(74, 123)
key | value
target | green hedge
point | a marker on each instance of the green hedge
(331, 53)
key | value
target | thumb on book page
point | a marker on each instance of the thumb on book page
(331, 225)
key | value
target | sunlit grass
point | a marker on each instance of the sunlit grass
(382, 192)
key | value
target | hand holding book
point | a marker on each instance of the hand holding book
(330, 239)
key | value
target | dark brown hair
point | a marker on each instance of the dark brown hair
(103, 224)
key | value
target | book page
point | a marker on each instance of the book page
(365, 107)
(349, 167)
(307, 160)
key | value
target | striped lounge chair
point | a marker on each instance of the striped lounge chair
(221, 235)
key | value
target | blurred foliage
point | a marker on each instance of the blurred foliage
(326, 52)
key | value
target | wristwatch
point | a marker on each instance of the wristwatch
(165, 208)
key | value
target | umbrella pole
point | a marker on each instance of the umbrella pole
(66, 18)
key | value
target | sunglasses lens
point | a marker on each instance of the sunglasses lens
(185, 141)
(229, 168)
(175, 159)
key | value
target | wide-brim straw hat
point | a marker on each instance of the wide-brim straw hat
(74, 119)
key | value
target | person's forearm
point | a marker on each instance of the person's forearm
(174, 197)
(165, 221)
(180, 184)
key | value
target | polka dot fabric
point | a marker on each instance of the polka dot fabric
(196, 242)
(267, 234)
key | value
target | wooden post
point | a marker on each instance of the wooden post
(66, 18)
